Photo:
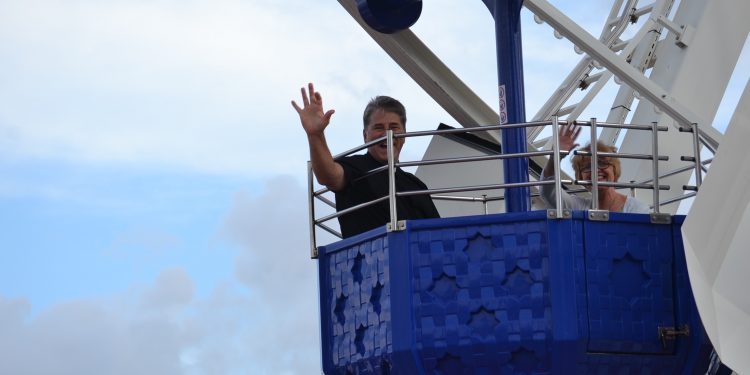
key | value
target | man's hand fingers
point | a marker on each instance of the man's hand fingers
(311, 89)
(327, 116)
(296, 107)
(305, 101)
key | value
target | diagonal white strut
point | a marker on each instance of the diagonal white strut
(429, 72)
(618, 66)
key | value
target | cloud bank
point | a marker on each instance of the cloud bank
(263, 319)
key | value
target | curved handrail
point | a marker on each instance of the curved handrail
(651, 184)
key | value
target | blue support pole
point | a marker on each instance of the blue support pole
(507, 14)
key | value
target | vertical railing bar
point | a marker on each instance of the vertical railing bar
(484, 202)
(655, 160)
(697, 156)
(391, 180)
(556, 159)
(594, 167)
(707, 145)
(311, 210)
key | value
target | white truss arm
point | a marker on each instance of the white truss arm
(697, 74)
(609, 36)
(418, 61)
(641, 57)
(614, 63)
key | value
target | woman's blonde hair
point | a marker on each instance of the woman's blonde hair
(580, 161)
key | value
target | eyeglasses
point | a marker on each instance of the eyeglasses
(601, 164)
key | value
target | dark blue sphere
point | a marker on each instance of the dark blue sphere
(390, 16)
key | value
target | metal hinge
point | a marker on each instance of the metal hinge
(598, 215)
(552, 214)
(400, 225)
(670, 333)
(661, 218)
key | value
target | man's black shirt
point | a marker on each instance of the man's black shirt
(361, 189)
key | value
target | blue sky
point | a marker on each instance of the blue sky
(152, 200)
(127, 221)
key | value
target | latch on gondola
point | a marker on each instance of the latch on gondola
(670, 333)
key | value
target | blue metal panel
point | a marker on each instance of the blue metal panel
(510, 293)
(694, 351)
(629, 270)
(568, 291)
(482, 298)
(355, 301)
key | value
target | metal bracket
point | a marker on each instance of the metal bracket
(552, 214)
(598, 215)
(683, 33)
(661, 218)
(314, 252)
(670, 333)
(400, 225)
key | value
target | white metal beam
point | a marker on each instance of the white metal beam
(614, 63)
(697, 75)
(426, 69)
(642, 57)
(609, 36)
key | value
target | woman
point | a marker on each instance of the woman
(608, 171)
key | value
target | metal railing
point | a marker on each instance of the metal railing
(439, 193)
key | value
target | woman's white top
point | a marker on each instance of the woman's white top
(573, 202)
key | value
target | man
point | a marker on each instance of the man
(348, 177)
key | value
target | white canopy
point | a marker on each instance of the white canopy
(717, 244)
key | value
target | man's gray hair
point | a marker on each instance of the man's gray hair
(387, 104)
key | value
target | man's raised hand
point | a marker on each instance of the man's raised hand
(314, 119)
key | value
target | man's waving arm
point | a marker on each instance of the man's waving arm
(314, 121)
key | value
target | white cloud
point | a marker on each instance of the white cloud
(267, 323)
(225, 333)
(200, 85)
(88, 337)
(274, 263)
(173, 290)
(206, 85)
